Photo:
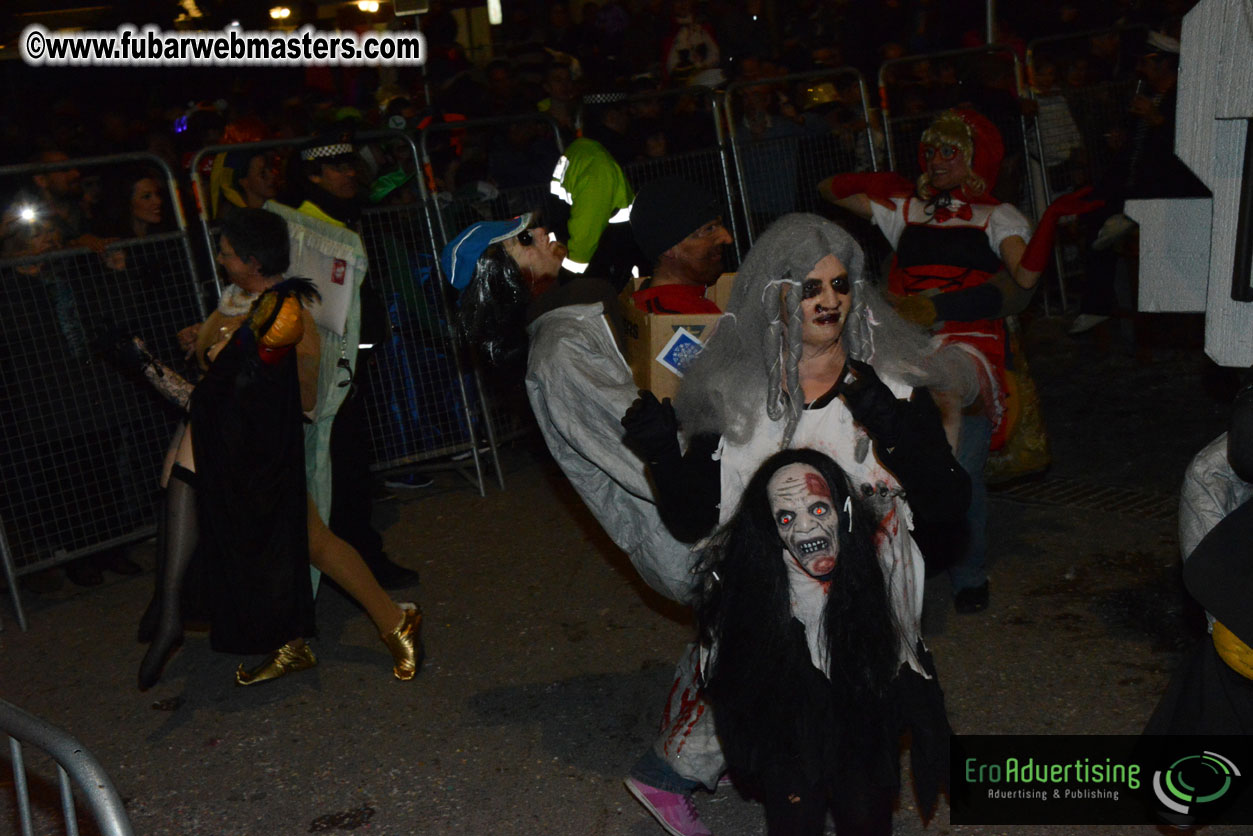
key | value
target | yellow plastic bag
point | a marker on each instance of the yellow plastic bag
(1026, 449)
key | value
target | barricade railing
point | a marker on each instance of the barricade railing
(1079, 117)
(418, 402)
(680, 133)
(989, 79)
(76, 767)
(84, 442)
(915, 89)
(527, 148)
(422, 387)
(782, 151)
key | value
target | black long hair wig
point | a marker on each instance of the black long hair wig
(774, 710)
(492, 310)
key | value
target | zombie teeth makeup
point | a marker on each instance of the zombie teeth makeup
(814, 546)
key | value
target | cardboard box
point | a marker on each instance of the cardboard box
(658, 345)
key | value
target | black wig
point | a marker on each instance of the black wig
(492, 312)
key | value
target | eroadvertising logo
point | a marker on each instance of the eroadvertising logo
(1194, 785)
(1100, 779)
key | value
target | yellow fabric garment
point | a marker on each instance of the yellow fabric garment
(222, 185)
(1237, 654)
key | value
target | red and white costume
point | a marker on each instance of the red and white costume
(953, 242)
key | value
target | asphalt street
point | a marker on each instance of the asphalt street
(548, 660)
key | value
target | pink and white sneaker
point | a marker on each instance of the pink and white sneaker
(675, 811)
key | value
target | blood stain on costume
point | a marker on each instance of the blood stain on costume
(346, 820)
(700, 711)
(688, 701)
(816, 485)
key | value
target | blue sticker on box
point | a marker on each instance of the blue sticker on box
(678, 353)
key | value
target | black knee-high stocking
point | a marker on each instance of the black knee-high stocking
(181, 533)
(148, 621)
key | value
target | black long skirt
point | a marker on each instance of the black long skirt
(248, 438)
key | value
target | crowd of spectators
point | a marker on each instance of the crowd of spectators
(633, 74)
(562, 59)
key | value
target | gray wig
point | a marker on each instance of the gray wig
(751, 361)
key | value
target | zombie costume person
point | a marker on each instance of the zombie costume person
(1212, 691)
(800, 653)
(579, 384)
(577, 380)
(952, 241)
(807, 355)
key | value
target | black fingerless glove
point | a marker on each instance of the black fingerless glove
(652, 430)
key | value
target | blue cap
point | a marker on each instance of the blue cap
(461, 255)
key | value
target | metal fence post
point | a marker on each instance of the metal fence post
(374, 232)
(441, 234)
(75, 765)
(803, 152)
(1061, 131)
(81, 411)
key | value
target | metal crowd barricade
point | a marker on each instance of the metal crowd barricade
(418, 402)
(519, 153)
(781, 150)
(680, 133)
(84, 442)
(76, 767)
(1078, 115)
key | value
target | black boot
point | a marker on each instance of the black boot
(182, 531)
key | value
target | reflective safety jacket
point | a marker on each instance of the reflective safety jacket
(591, 192)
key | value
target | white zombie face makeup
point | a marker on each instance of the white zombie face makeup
(801, 504)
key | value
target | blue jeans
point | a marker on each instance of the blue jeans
(652, 769)
(970, 570)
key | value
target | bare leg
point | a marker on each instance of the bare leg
(398, 626)
(344, 565)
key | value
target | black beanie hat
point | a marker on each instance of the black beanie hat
(667, 211)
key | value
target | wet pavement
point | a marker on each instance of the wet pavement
(548, 660)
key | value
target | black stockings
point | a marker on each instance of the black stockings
(181, 534)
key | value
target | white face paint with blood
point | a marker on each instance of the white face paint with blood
(803, 510)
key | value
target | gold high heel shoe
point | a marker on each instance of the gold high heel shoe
(405, 643)
(290, 658)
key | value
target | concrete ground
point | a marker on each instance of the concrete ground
(548, 660)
